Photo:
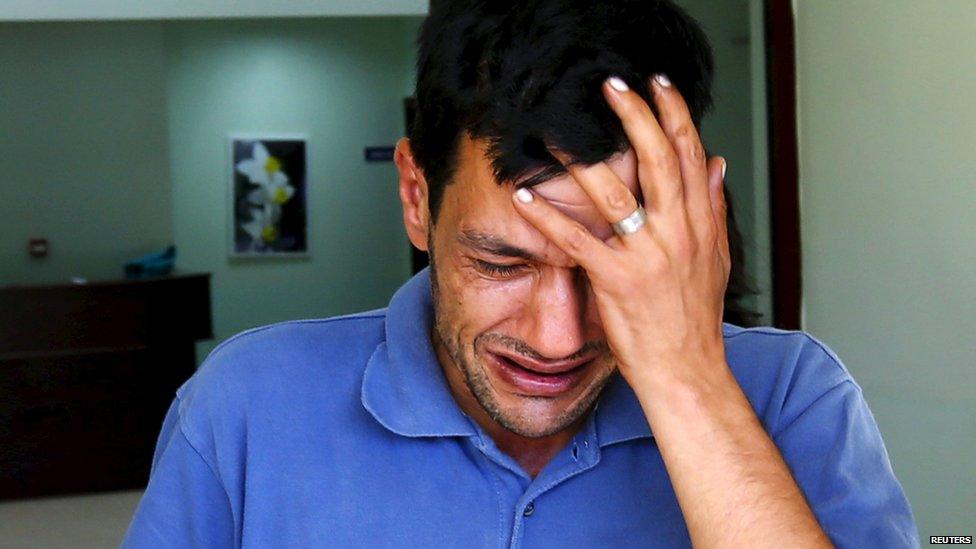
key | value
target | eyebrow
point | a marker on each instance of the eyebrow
(493, 245)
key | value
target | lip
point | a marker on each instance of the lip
(549, 380)
(548, 368)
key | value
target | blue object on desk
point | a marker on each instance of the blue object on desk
(155, 264)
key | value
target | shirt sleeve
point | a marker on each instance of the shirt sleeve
(835, 451)
(184, 504)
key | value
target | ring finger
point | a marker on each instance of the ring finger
(612, 197)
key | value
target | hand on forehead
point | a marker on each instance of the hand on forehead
(568, 196)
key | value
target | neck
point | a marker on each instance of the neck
(532, 454)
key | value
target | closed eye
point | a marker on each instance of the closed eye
(497, 270)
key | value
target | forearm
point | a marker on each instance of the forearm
(733, 486)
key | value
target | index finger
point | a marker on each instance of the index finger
(568, 234)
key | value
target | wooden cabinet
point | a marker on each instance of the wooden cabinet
(86, 375)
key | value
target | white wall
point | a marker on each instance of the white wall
(888, 179)
(60, 10)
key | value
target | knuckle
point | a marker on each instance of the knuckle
(619, 199)
(687, 136)
(684, 131)
(666, 160)
(697, 152)
(637, 107)
(576, 239)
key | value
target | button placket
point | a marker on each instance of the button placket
(583, 459)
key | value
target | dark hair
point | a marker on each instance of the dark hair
(521, 74)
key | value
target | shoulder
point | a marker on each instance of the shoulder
(293, 348)
(272, 368)
(297, 343)
(818, 417)
(783, 372)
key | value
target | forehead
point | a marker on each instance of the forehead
(479, 205)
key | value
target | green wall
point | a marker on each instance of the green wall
(114, 144)
(83, 142)
(888, 181)
(340, 82)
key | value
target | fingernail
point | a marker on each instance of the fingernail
(524, 196)
(725, 166)
(618, 84)
(663, 80)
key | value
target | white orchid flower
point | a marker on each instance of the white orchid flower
(263, 226)
(272, 193)
(262, 168)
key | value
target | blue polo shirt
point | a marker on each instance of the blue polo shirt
(342, 432)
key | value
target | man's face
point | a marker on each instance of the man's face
(517, 328)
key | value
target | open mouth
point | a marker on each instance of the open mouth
(529, 378)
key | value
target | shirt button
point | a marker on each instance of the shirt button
(529, 509)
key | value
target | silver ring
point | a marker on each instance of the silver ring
(632, 223)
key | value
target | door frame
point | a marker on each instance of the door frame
(784, 174)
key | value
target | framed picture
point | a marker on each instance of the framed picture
(269, 196)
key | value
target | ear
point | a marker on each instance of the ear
(413, 194)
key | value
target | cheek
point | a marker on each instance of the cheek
(481, 304)
(592, 311)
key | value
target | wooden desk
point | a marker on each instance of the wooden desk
(86, 375)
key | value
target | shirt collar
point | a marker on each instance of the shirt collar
(405, 390)
(619, 416)
(404, 387)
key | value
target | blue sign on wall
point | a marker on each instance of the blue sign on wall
(379, 154)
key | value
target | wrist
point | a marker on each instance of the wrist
(689, 386)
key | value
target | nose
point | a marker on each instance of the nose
(554, 323)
